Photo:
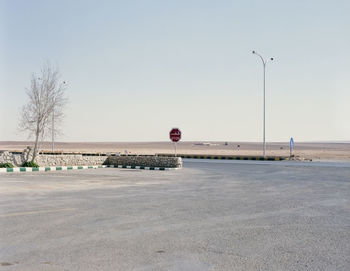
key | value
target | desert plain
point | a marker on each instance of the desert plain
(317, 151)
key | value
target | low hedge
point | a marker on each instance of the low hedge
(30, 164)
(6, 165)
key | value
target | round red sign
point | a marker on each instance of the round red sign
(175, 135)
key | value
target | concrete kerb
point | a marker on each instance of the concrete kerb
(44, 169)
(62, 168)
(141, 167)
(226, 157)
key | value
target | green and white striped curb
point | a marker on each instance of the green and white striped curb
(141, 167)
(33, 169)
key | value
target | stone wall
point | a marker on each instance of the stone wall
(17, 159)
(8, 157)
(145, 161)
(70, 160)
(53, 160)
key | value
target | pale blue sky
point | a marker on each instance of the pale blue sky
(138, 68)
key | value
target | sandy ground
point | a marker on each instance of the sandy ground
(315, 151)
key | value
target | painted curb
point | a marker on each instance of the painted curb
(35, 169)
(227, 157)
(141, 167)
(44, 169)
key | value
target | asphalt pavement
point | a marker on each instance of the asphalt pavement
(210, 215)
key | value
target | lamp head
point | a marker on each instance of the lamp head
(271, 58)
(253, 52)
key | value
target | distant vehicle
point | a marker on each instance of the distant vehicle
(204, 144)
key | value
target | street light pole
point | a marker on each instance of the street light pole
(53, 129)
(53, 123)
(264, 66)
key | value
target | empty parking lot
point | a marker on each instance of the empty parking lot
(210, 215)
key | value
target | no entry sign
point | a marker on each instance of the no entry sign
(175, 135)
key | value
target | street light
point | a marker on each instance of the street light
(264, 64)
(53, 124)
(53, 130)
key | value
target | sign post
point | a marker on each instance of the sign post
(291, 146)
(175, 136)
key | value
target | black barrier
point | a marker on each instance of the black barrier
(226, 157)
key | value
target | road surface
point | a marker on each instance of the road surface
(210, 215)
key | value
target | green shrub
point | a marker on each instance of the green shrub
(30, 164)
(2, 165)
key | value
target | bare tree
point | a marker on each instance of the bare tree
(43, 113)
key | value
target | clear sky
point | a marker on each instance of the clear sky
(138, 68)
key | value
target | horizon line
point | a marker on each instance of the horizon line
(189, 141)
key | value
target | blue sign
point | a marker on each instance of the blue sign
(291, 143)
